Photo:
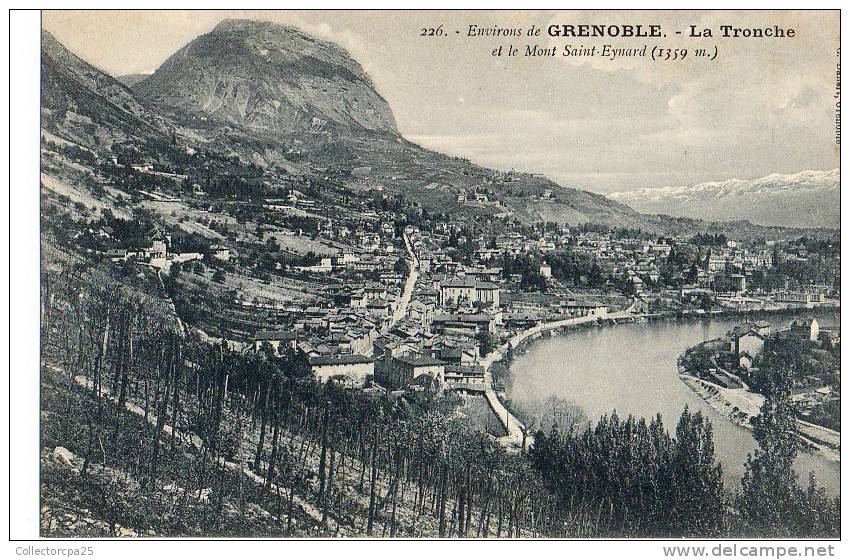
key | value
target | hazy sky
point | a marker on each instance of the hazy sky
(763, 106)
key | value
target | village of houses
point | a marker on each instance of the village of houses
(395, 308)
(373, 298)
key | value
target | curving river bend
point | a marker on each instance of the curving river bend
(632, 368)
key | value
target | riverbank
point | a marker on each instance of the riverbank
(760, 311)
(517, 435)
(741, 406)
(520, 343)
(632, 369)
(504, 354)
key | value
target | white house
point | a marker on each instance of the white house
(808, 329)
(276, 339)
(220, 252)
(349, 369)
(468, 291)
(746, 339)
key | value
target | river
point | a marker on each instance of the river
(632, 369)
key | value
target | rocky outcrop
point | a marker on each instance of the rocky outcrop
(270, 77)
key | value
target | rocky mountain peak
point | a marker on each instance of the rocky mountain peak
(270, 77)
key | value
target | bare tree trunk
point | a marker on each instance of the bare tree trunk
(260, 443)
(162, 412)
(324, 453)
(460, 506)
(101, 354)
(124, 371)
(175, 405)
(443, 483)
(373, 477)
(275, 438)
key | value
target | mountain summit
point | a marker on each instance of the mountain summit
(269, 77)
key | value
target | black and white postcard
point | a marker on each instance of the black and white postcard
(557, 275)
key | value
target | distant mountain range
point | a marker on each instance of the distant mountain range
(804, 199)
(277, 98)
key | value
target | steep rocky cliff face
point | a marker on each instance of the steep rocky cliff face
(269, 77)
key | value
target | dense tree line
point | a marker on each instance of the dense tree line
(641, 479)
(791, 360)
(709, 239)
(576, 269)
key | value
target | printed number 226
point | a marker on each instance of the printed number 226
(431, 31)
